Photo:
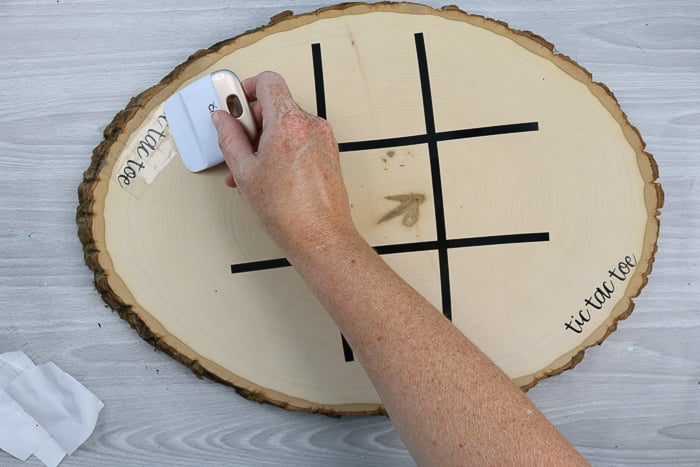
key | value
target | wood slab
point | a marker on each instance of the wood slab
(492, 173)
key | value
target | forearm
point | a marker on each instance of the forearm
(451, 405)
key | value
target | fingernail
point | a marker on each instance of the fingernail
(215, 119)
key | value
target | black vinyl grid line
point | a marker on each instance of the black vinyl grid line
(435, 174)
(431, 137)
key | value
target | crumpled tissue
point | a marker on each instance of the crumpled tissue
(43, 410)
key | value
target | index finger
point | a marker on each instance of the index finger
(271, 92)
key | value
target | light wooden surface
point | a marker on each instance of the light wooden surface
(67, 67)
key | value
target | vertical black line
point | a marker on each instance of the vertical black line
(425, 84)
(321, 112)
(435, 174)
(318, 80)
(431, 138)
(347, 350)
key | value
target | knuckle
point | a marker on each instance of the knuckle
(226, 141)
(324, 132)
(296, 121)
(267, 74)
(324, 127)
(269, 77)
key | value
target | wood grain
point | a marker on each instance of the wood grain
(67, 67)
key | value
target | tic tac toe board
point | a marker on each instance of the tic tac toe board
(494, 175)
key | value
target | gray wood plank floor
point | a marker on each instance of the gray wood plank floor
(68, 66)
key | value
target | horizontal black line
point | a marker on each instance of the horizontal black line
(260, 265)
(463, 243)
(441, 136)
(498, 240)
(405, 247)
(488, 131)
(410, 248)
(382, 143)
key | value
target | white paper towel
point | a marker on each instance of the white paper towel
(43, 410)
(20, 434)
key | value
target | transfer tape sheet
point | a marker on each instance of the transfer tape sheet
(44, 411)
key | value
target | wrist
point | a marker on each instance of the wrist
(326, 246)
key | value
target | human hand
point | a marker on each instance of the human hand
(293, 180)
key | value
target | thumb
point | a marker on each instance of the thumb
(233, 141)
